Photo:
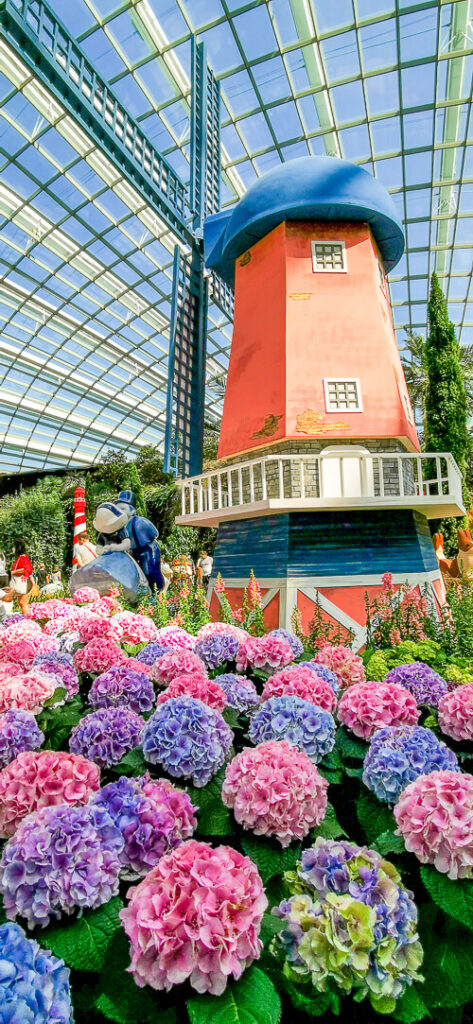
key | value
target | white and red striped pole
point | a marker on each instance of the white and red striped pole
(79, 516)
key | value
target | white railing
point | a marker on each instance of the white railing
(430, 482)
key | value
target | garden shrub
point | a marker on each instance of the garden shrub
(36, 518)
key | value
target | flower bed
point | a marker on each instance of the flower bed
(296, 823)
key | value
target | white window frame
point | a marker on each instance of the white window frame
(328, 270)
(342, 380)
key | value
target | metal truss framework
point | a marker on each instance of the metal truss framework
(95, 164)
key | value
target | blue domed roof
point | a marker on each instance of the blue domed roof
(319, 188)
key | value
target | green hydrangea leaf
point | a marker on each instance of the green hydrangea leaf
(455, 898)
(58, 695)
(410, 1007)
(349, 746)
(213, 818)
(373, 816)
(448, 954)
(133, 763)
(269, 857)
(83, 942)
(270, 926)
(231, 717)
(58, 723)
(251, 1000)
(329, 828)
(387, 843)
(308, 1000)
(118, 997)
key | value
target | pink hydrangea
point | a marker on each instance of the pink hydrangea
(28, 691)
(348, 667)
(264, 652)
(300, 682)
(435, 818)
(455, 713)
(40, 778)
(44, 644)
(98, 656)
(175, 637)
(366, 707)
(135, 629)
(9, 669)
(48, 609)
(275, 790)
(85, 595)
(213, 628)
(22, 652)
(18, 631)
(106, 606)
(176, 663)
(195, 917)
(138, 666)
(95, 628)
(195, 685)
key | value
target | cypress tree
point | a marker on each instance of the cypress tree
(445, 403)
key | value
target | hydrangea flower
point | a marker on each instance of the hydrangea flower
(106, 605)
(68, 642)
(97, 628)
(348, 667)
(426, 686)
(60, 858)
(350, 924)
(176, 663)
(97, 656)
(217, 650)
(299, 681)
(435, 818)
(456, 713)
(300, 723)
(13, 620)
(48, 609)
(34, 984)
(240, 692)
(152, 815)
(137, 666)
(22, 651)
(192, 934)
(295, 644)
(323, 672)
(107, 735)
(85, 595)
(175, 637)
(213, 628)
(19, 731)
(264, 652)
(366, 707)
(195, 685)
(149, 654)
(38, 779)
(27, 692)
(54, 658)
(122, 687)
(275, 790)
(65, 675)
(189, 739)
(134, 629)
(397, 756)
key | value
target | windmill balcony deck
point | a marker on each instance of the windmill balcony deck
(428, 483)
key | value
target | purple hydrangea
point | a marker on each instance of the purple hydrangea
(11, 620)
(425, 685)
(68, 642)
(295, 644)
(66, 675)
(19, 731)
(240, 692)
(152, 815)
(54, 658)
(398, 755)
(302, 724)
(322, 672)
(34, 984)
(60, 858)
(217, 649)
(121, 686)
(149, 654)
(189, 739)
(107, 735)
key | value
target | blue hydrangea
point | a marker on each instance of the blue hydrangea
(34, 984)
(19, 731)
(240, 692)
(398, 755)
(106, 735)
(322, 672)
(295, 644)
(304, 725)
(188, 739)
(426, 686)
(217, 649)
(54, 658)
(149, 654)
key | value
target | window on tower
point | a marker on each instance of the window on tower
(342, 395)
(328, 257)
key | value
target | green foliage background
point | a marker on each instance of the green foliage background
(37, 518)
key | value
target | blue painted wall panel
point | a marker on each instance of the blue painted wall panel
(325, 544)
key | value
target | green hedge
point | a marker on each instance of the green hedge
(36, 518)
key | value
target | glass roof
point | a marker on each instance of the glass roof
(85, 262)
